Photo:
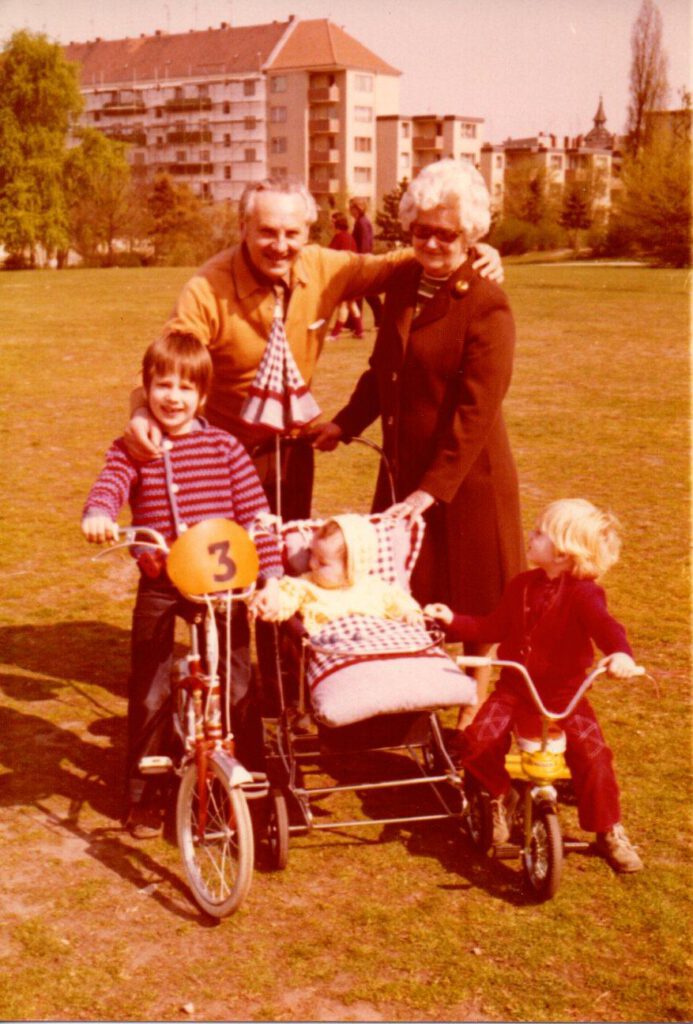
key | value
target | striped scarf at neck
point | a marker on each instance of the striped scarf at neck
(428, 287)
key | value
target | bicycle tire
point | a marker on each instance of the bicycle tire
(542, 859)
(219, 866)
(278, 830)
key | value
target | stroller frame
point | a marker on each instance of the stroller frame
(294, 748)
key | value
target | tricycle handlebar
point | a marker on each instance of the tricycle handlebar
(136, 536)
(477, 661)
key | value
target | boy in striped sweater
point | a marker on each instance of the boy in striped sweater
(203, 473)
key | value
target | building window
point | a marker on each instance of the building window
(249, 88)
(205, 189)
(556, 163)
(203, 90)
(406, 129)
(250, 124)
(227, 140)
(362, 175)
(139, 159)
(363, 114)
(204, 156)
(278, 115)
(363, 83)
(97, 115)
(179, 92)
(278, 83)
(280, 172)
(278, 144)
(250, 156)
(181, 156)
(227, 173)
(362, 144)
(158, 112)
(226, 107)
(468, 131)
(499, 160)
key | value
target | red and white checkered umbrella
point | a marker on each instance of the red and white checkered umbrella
(279, 398)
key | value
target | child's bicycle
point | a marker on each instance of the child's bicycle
(535, 764)
(213, 564)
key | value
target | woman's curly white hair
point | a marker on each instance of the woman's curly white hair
(458, 186)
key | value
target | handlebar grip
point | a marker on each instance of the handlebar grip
(473, 661)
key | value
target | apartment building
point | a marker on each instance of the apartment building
(220, 108)
(592, 159)
(407, 144)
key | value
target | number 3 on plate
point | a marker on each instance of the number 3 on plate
(221, 551)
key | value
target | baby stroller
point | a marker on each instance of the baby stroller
(360, 698)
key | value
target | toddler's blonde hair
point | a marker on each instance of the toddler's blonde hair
(579, 529)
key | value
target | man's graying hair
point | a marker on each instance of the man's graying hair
(285, 186)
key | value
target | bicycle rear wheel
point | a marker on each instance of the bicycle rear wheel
(217, 858)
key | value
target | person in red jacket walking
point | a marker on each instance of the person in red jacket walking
(547, 620)
(343, 240)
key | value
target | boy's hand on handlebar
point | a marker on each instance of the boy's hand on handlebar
(99, 528)
(621, 666)
(264, 604)
(142, 436)
(488, 263)
(441, 612)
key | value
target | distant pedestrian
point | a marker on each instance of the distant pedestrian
(363, 237)
(344, 240)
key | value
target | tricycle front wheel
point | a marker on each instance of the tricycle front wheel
(542, 857)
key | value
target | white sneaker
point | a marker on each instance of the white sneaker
(501, 832)
(617, 849)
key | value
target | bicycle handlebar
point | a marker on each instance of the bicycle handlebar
(477, 661)
(130, 537)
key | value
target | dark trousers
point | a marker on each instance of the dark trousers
(149, 712)
(486, 741)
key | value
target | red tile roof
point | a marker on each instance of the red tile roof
(214, 51)
(319, 43)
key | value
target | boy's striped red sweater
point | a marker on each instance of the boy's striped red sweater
(212, 476)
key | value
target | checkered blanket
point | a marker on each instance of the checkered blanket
(356, 638)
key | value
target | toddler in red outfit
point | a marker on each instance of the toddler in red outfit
(548, 619)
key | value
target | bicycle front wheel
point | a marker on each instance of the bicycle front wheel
(215, 841)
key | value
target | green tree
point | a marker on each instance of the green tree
(649, 87)
(576, 212)
(653, 218)
(98, 194)
(39, 102)
(391, 232)
(179, 228)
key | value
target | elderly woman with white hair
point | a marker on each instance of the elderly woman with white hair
(437, 378)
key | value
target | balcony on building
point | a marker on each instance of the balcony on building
(116, 108)
(323, 94)
(187, 168)
(323, 186)
(428, 142)
(188, 103)
(329, 125)
(133, 138)
(185, 138)
(323, 156)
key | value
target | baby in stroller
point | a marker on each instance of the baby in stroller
(364, 629)
(339, 580)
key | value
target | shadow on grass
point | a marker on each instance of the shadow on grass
(88, 652)
(133, 863)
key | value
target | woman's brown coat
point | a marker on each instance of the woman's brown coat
(438, 383)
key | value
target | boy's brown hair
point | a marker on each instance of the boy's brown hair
(182, 353)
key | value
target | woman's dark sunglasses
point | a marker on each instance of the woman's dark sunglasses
(423, 232)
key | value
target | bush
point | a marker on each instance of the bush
(512, 236)
(16, 261)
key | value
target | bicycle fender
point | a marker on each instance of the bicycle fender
(236, 774)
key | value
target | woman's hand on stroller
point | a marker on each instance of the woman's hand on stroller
(621, 666)
(415, 504)
(326, 436)
(439, 612)
(264, 603)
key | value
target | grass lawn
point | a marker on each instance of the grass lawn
(399, 925)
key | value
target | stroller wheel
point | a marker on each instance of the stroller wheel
(278, 830)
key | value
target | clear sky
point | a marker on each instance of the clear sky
(523, 65)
